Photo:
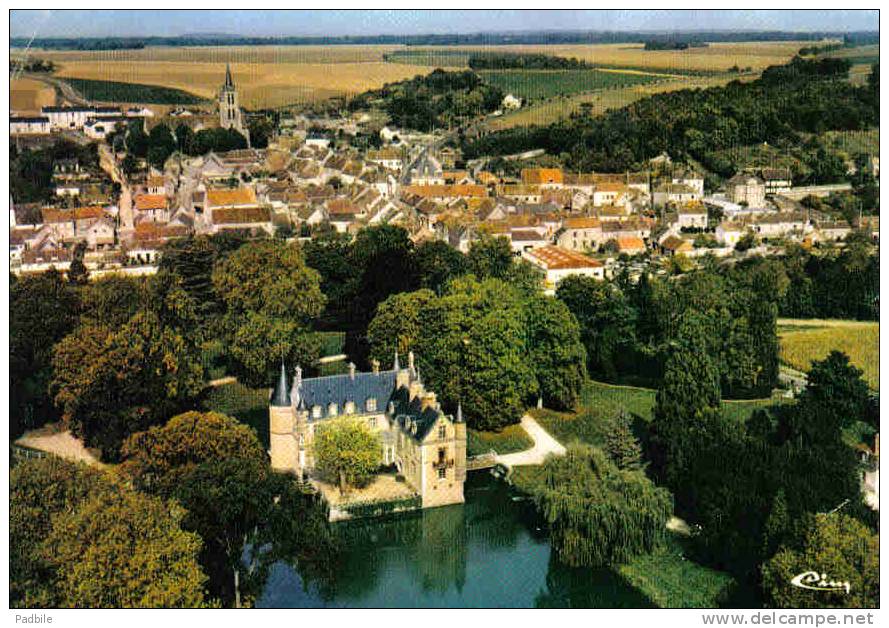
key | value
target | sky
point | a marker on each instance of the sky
(135, 23)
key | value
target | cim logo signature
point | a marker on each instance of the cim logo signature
(815, 581)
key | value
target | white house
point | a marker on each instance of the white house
(694, 215)
(730, 232)
(558, 263)
(746, 189)
(36, 125)
(68, 117)
(511, 102)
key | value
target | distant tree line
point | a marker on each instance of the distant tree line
(39, 66)
(804, 96)
(673, 44)
(450, 39)
(520, 61)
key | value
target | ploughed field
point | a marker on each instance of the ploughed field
(29, 95)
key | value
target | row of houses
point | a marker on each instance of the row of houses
(95, 122)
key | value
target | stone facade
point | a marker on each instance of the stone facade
(425, 445)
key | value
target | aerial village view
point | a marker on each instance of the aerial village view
(444, 309)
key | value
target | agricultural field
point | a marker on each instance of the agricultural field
(266, 76)
(29, 95)
(438, 57)
(543, 84)
(599, 102)
(805, 340)
(113, 91)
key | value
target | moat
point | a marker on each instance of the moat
(489, 552)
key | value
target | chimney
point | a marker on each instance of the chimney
(351, 370)
(427, 400)
(375, 366)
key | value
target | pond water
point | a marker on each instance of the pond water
(487, 553)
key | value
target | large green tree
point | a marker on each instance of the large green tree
(555, 351)
(271, 297)
(598, 514)
(347, 452)
(840, 548)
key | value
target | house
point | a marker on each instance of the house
(155, 184)
(672, 245)
(151, 206)
(692, 215)
(630, 245)
(317, 140)
(691, 178)
(558, 263)
(426, 445)
(746, 189)
(777, 180)
(780, 224)
(730, 232)
(580, 234)
(33, 125)
(389, 158)
(675, 193)
(521, 192)
(544, 178)
(831, 230)
(608, 193)
(443, 193)
(67, 118)
(523, 240)
(510, 102)
(251, 219)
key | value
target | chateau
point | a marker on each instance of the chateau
(230, 116)
(425, 445)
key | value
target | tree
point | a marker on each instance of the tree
(621, 444)
(397, 325)
(42, 310)
(329, 254)
(746, 242)
(490, 257)
(271, 298)
(81, 538)
(607, 321)
(437, 262)
(598, 514)
(159, 458)
(346, 452)
(383, 256)
(137, 140)
(120, 548)
(111, 300)
(111, 383)
(555, 351)
(842, 549)
(77, 272)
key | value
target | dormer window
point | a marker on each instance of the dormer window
(316, 412)
(371, 405)
(350, 407)
(442, 432)
(331, 410)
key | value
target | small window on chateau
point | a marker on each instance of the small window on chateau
(371, 405)
(372, 421)
(442, 473)
(331, 410)
(350, 407)
(442, 431)
(316, 412)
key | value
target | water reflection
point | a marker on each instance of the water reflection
(489, 552)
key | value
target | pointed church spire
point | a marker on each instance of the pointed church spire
(281, 397)
(395, 365)
(228, 76)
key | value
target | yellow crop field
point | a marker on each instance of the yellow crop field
(805, 340)
(266, 76)
(29, 95)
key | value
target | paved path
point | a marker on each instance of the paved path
(544, 444)
(61, 443)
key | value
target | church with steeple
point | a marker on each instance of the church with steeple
(425, 446)
(230, 115)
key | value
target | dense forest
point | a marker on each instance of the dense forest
(804, 96)
(519, 61)
(437, 100)
(451, 39)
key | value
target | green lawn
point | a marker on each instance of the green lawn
(600, 402)
(542, 84)
(510, 440)
(670, 580)
(332, 342)
(248, 405)
(113, 91)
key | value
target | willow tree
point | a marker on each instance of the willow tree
(599, 514)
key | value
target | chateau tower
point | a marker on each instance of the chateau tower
(230, 108)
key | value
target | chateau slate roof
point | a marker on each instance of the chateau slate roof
(338, 389)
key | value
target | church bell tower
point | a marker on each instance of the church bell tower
(230, 116)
